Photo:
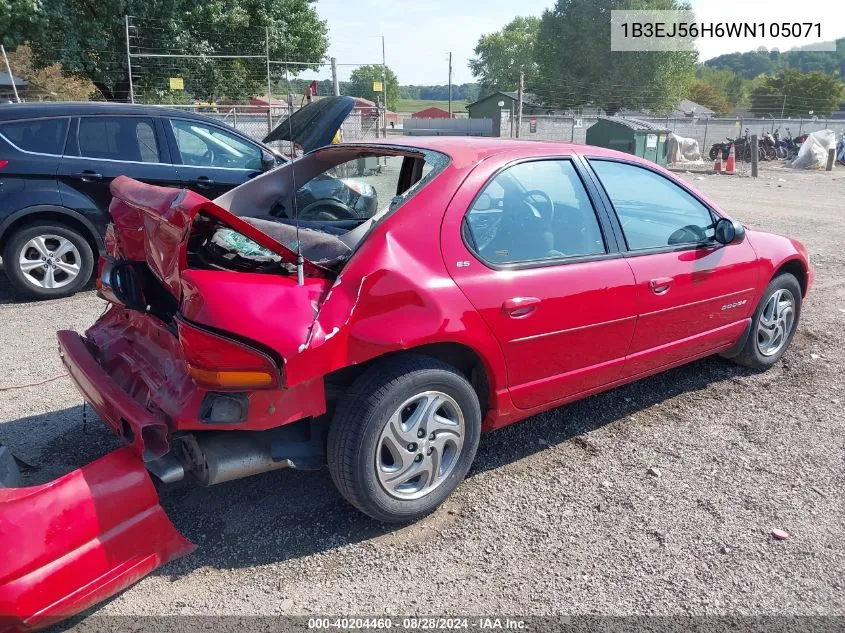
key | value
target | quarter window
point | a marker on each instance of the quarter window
(118, 138)
(653, 211)
(203, 145)
(45, 136)
(534, 211)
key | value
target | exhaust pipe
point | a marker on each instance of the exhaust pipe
(218, 456)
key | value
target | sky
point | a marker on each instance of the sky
(419, 34)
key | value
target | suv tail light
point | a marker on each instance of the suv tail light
(3, 163)
(221, 363)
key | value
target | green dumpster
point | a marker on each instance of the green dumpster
(632, 136)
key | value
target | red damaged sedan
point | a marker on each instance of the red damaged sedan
(494, 280)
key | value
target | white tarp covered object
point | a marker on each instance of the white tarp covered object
(813, 152)
(680, 149)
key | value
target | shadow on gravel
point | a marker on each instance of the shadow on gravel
(8, 295)
(289, 514)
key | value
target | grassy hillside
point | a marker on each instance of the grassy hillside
(415, 105)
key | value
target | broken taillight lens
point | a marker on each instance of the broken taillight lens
(221, 363)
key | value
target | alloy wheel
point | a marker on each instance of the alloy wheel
(776, 321)
(49, 261)
(419, 445)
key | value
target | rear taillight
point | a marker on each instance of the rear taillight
(3, 163)
(221, 363)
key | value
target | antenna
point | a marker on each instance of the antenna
(300, 261)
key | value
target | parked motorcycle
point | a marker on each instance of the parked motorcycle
(768, 146)
(781, 146)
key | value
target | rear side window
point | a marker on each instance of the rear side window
(45, 136)
(534, 211)
(118, 138)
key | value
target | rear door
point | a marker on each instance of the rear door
(30, 151)
(100, 148)
(694, 295)
(536, 257)
(211, 160)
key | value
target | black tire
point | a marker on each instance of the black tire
(361, 416)
(18, 278)
(715, 151)
(751, 354)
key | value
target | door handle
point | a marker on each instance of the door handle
(520, 306)
(203, 181)
(88, 176)
(660, 285)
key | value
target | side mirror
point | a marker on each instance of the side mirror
(483, 203)
(268, 160)
(729, 231)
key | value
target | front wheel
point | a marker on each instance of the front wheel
(47, 260)
(403, 437)
(774, 323)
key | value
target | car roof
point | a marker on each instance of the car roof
(475, 148)
(12, 111)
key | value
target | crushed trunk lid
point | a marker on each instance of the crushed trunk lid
(75, 541)
(314, 125)
(153, 224)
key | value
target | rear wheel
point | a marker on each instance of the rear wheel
(403, 437)
(774, 323)
(47, 260)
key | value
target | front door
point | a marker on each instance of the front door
(213, 160)
(100, 148)
(693, 294)
(540, 266)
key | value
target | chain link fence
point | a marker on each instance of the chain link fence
(706, 131)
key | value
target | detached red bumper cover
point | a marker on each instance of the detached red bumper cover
(75, 541)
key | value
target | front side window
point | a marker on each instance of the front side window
(534, 211)
(653, 211)
(118, 138)
(45, 136)
(202, 145)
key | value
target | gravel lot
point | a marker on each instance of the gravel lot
(560, 514)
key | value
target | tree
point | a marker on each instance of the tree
(503, 54)
(51, 78)
(705, 94)
(20, 20)
(88, 39)
(795, 94)
(755, 63)
(361, 84)
(726, 83)
(577, 67)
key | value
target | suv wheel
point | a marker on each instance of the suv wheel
(47, 260)
(403, 437)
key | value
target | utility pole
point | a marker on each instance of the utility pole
(384, 88)
(129, 62)
(450, 85)
(11, 77)
(519, 102)
(269, 90)
(335, 82)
